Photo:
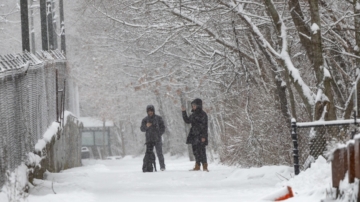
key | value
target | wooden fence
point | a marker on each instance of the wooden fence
(346, 160)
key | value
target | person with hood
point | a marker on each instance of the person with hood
(154, 127)
(198, 135)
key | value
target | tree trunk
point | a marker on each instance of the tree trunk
(291, 96)
(319, 67)
(303, 90)
(316, 44)
(123, 150)
(301, 27)
(187, 126)
(357, 52)
(350, 104)
(280, 88)
(167, 135)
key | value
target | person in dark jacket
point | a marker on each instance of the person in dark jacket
(198, 135)
(154, 127)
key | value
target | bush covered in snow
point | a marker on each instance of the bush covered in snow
(17, 186)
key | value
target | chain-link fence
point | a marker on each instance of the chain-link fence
(311, 139)
(34, 92)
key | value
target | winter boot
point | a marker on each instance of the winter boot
(197, 167)
(205, 167)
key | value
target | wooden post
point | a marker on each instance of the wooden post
(335, 166)
(351, 162)
(343, 162)
(357, 158)
(357, 163)
(338, 167)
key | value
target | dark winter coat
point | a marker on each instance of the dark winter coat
(154, 132)
(199, 124)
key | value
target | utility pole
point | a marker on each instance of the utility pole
(50, 24)
(25, 25)
(44, 28)
(32, 28)
(62, 28)
(54, 24)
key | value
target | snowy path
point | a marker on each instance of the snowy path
(123, 180)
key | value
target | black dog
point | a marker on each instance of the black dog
(149, 163)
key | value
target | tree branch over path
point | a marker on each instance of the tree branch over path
(211, 32)
(302, 88)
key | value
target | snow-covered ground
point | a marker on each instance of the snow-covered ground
(123, 180)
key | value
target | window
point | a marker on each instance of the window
(99, 137)
(87, 138)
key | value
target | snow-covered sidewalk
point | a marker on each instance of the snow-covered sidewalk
(123, 180)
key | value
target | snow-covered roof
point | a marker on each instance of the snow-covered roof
(94, 122)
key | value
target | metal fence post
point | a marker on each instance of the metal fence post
(295, 150)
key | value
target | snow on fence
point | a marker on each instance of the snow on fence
(310, 139)
(35, 90)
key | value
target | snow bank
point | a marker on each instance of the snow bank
(16, 184)
(282, 193)
(122, 180)
(17, 181)
(313, 183)
(349, 191)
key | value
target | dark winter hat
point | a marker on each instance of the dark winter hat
(198, 102)
(150, 108)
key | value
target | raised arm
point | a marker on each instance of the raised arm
(185, 117)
